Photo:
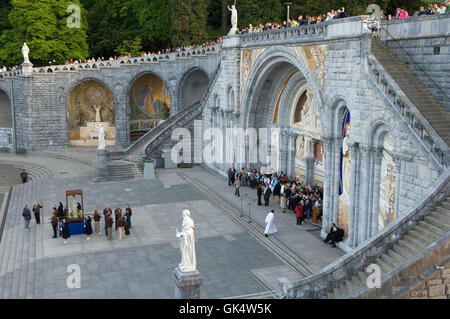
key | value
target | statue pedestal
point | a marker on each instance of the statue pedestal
(27, 69)
(102, 163)
(167, 155)
(187, 284)
(232, 31)
(149, 169)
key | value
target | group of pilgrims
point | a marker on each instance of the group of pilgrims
(122, 220)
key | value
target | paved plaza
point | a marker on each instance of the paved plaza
(231, 261)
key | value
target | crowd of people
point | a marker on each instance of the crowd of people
(61, 218)
(290, 194)
(143, 54)
(401, 13)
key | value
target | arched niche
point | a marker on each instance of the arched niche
(193, 87)
(149, 104)
(90, 103)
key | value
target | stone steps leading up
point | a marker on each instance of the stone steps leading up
(432, 228)
(431, 109)
(18, 246)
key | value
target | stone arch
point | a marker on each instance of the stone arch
(336, 109)
(140, 121)
(230, 98)
(7, 140)
(6, 120)
(193, 86)
(85, 136)
(262, 68)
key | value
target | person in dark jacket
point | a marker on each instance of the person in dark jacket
(126, 225)
(117, 215)
(65, 230)
(128, 213)
(54, 221)
(37, 211)
(259, 191)
(109, 221)
(88, 226)
(119, 225)
(267, 193)
(335, 235)
(26, 213)
(106, 211)
(60, 210)
(97, 218)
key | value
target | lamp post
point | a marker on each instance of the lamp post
(288, 4)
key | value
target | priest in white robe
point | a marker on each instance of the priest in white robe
(270, 226)
(187, 244)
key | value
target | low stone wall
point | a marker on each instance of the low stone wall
(412, 277)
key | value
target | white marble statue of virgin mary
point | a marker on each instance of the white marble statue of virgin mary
(187, 244)
(101, 137)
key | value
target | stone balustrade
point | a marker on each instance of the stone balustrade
(427, 136)
(117, 63)
(10, 74)
(350, 264)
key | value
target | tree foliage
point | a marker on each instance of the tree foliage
(258, 12)
(130, 47)
(42, 24)
(189, 18)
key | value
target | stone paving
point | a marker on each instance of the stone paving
(231, 261)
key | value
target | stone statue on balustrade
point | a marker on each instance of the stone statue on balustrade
(234, 19)
(25, 52)
(187, 244)
(101, 137)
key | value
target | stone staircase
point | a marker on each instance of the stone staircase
(432, 109)
(424, 116)
(20, 248)
(434, 226)
(121, 170)
(35, 172)
(149, 145)
(405, 248)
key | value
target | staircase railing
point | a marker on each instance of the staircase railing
(428, 138)
(158, 135)
(155, 133)
(350, 264)
(411, 58)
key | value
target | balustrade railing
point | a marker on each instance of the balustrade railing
(165, 57)
(350, 264)
(427, 136)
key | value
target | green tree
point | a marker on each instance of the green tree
(258, 12)
(42, 24)
(110, 23)
(189, 18)
(154, 23)
(132, 47)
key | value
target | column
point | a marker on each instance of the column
(377, 157)
(337, 145)
(309, 160)
(398, 160)
(352, 239)
(284, 147)
(327, 143)
(291, 154)
(365, 172)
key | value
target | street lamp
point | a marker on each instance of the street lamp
(288, 4)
